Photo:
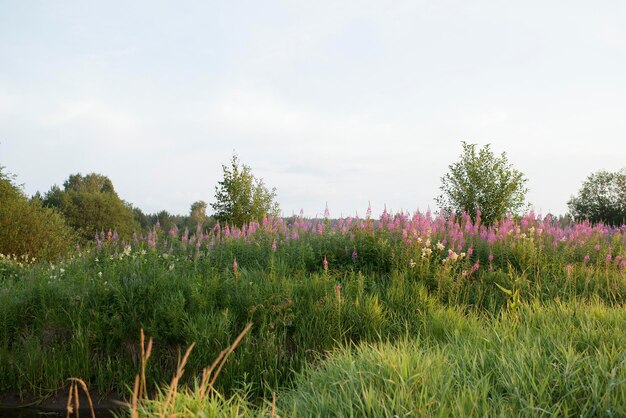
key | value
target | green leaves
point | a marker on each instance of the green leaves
(241, 198)
(481, 181)
(29, 228)
(90, 204)
(602, 198)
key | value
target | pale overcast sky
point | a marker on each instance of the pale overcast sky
(328, 101)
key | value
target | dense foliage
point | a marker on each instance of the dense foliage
(241, 198)
(602, 198)
(27, 229)
(482, 184)
(434, 289)
(91, 205)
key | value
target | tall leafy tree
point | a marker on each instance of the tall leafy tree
(480, 180)
(197, 214)
(602, 198)
(26, 227)
(90, 204)
(240, 197)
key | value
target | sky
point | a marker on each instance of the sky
(331, 102)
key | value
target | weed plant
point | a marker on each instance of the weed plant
(310, 287)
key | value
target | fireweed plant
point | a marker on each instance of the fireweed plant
(315, 288)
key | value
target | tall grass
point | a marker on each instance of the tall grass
(559, 360)
(307, 286)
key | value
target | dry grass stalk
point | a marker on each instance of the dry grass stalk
(227, 353)
(73, 401)
(70, 397)
(171, 394)
(273, 404)
(145, 356)
(133, 406)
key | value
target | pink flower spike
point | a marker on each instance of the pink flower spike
(325, 264)
(586, 259)
(274, 246)
(235, 265)
(490, 257)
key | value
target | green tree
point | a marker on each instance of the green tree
(26, 227)
(602, 198)
(241, 198)
(90, 204)
(482, 181)
(197, 214)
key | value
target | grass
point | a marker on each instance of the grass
(523, 318)
(560, 360)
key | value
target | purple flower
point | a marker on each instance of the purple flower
(274, 246)
(325, 264)
(586, 259)
(354, 255)
(490, 257)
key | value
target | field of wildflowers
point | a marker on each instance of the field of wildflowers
(528, 314)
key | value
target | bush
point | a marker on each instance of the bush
(28, 228)
(241, 198)
(480, 181)
(90, 205)
(602, 198)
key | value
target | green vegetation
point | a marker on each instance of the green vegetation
(469, 313)
(556, 360)
(241, 198)
(407, 313)
(29, 231)
(91, 205)
(481, 182)
(602, 198)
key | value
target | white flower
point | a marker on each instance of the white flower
(440, 246)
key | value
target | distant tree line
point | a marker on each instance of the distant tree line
(48, 226)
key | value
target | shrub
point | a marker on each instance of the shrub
(90, 204)
(602, 198)
(28, 228)
(480, 181)
(241, 198)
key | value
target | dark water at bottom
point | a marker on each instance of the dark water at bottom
(42, 413)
